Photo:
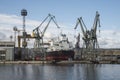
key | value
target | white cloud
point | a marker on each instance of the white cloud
(9, 19)
(109, 39)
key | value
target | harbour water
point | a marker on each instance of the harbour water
(59, 72)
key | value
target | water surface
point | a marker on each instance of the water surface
(60, 72)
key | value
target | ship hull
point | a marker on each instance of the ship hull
(60, 55)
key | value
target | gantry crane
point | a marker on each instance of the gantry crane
(38, 34)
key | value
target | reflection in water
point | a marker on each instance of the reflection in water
(85, 72)
(59, 72)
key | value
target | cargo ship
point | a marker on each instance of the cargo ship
(60, 49)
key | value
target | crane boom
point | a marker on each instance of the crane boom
(82, 25)
(96, 22)
(46, 28)
(42, 22)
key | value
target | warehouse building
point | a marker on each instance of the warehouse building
(6, 50)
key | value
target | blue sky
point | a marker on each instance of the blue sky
(67, 12)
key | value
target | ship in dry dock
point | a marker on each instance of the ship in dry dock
(60, 49)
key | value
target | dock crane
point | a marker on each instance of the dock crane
(89, 36)
(38, 34)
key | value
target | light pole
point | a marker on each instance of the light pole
(24, 43)
(24, 13)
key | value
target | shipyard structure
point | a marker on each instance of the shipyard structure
(57, 49)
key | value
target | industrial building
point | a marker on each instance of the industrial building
(6, 50)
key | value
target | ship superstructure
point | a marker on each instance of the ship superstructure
(61, 43)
